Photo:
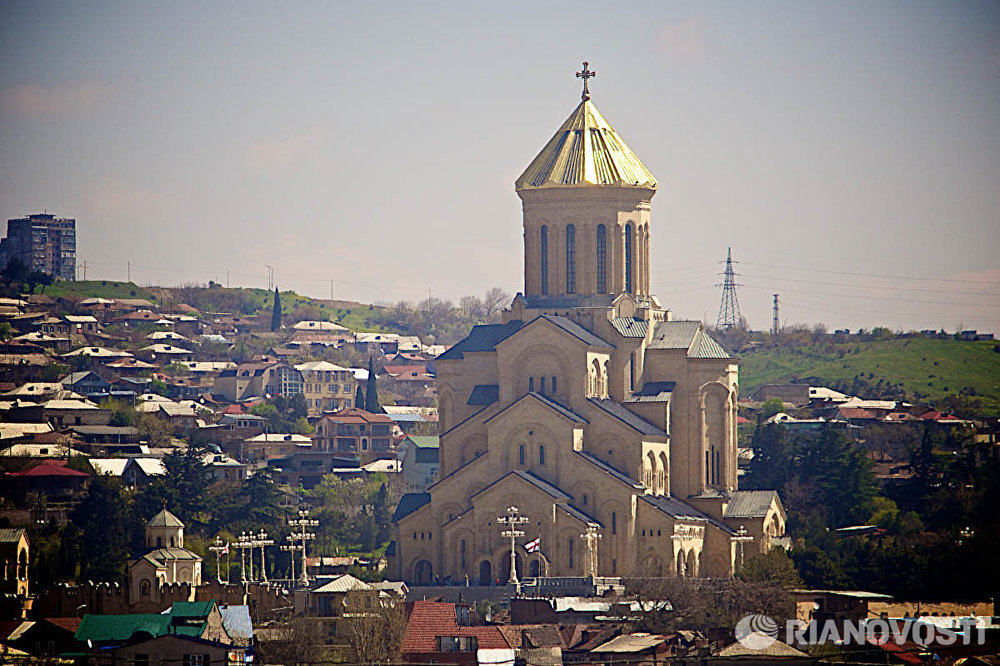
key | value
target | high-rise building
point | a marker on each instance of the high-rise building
(44, 242)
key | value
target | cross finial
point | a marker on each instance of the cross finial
(585, 74)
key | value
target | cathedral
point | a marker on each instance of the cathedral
(607, 423)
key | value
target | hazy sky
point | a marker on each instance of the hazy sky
(849, 152)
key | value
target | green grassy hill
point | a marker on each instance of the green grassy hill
(95, 289)
(925, 369)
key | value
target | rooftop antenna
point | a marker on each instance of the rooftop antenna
(729, 308)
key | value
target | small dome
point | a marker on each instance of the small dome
(585, 151)
(164, 519)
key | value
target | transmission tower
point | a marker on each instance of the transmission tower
(775, 325)
(729, 309)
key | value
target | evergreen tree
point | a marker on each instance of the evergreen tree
(359, 398)
(371, 391)
(102, 537)
(276, 311)
(380, 512)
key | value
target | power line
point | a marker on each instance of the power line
(874, 275)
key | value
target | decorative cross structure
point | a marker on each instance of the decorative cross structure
(219, 549)
(585, 74)
(592, 535)
(302, 522)
(741, 537)
(512, 519)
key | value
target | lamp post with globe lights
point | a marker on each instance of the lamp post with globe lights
(741, 537)
(220, 549)
(303, 536)
(263, 542)
(512, 519)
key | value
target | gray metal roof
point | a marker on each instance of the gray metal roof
(579, 515)
(605, 467)
(690, 336)
(482, 338)
(541, 484)
(750, 503)
(409, 503)
(653, 392)
(683, 511)
(629, 327)
(10, 534)
(628, 418)
(675, 334)
(574, 329)
(484, 394)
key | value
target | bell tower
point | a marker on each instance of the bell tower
(586, 206)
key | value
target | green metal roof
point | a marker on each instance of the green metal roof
(425, 441)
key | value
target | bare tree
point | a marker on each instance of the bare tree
(495, 300)
(375, 626)
(297, 641)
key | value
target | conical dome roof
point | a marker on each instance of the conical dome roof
(164, 519)
(585, 151)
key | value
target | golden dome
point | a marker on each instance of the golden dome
(585, 151)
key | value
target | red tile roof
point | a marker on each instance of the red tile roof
(430, 619)
(49, 469)
(357, 415)
(856, 413)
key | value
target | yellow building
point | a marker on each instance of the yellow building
(327, 387)
(589, 408)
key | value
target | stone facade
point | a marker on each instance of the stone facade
(589, 408)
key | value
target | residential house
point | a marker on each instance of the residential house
(100, 354)
(439, 633)
(419, 455)
(355, 431)
(129, 366)
(86, 383)
(327, 387)
(258, 379)
(192, 629)
(163, 354)
(267, 446)
(54, 481)
(223, 468)
(44, 637)
(132, 471)
(375, 344)
(82, 324)
(60, 413)
(306, 469)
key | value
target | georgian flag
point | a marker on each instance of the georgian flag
(534, 546)
(224, 551)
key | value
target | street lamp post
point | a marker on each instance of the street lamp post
(741, 537)
(592, 535)
(291, 548)
(302, 522)
(263, 542)
(219, 548)
(246, 542)
(512, 519)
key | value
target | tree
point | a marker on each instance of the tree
(101, 531)
(376, 628)
(276, 311)
(35, 278)
(15, 275)
(773, 568)
(371, 390)
(359, 397)
(186, 480)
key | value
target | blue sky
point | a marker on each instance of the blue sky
(849, 152)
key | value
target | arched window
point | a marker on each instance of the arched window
(554, 389)
(545, 259)
(541, 384)
(602, 259)
(614, 522)
(541, 454)
(708, 468)
(531, 384)
(570, 259)
(629, 264)
(520, 455)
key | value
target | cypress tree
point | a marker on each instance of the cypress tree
(359, 398)
(276, 312)
(371, 391)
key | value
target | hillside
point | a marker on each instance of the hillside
(919, 368)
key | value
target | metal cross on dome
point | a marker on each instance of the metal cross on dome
(585, 74)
